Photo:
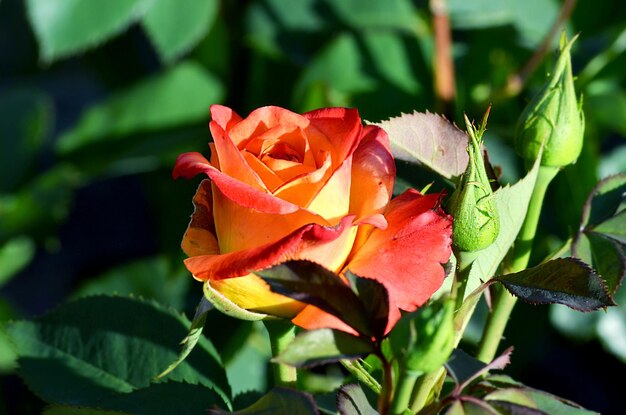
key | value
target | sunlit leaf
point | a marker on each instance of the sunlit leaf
(351, 400)
(522, 401)
(179, 96)
(15, 254)
(89, 349)
(279, 401)
(76, 410)
(317, 347)
(565, 281)
(430, 140)
(375, 14)
(174, 28)
(65, 27)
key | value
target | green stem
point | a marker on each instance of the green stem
(386, 395)
(404, 390)
(504, 303)
(465, 260)
(424, 387)
(281, 333)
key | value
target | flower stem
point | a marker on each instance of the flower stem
(386, 395)
(504, 303)
(281, 333)
(404, 390)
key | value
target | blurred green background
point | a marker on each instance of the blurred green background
(98, 98)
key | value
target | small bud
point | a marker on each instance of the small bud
(476, 221)
(554, 118)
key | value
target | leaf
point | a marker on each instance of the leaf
(608, 259)
(428, 139)
(498, 363)
(604, 201)
(567, 281)
(77, 410)
(614, 227)
(15, 254)
(398, 15)
(374, 297)
(91, 348)
(279, 401)
(26, 121)
(313, 284)
(323, 346)
(223, 304)
(39, 206)
(192, 338)
(512, 204)
(351, 400)
(174, 29)
(523, 400)
(157, 399)
(462, 366)
(70, 26)
(179, 96)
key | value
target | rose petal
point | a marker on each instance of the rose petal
(263, 119)
(224, 116)
(270, 179)
(331, 202)
(303, 189)
(200, 238)
(407, 257)
(303, 243)
(342, 126)
(189, 165)
(373, 173)
(252, 293)
(231, 161)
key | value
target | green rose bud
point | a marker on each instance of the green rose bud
(430, 339)
(553, 118)
(476, 221)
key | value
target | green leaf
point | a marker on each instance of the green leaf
(91, 348)
(174, 29)
(391, 59)
(192, 338)
(376, 14)
(323, 346)
(351, 400)
(25, 123)
(311, 283)
(153, 278)
(181, 95)
(279, 401)
(430, 140)
(605, 200)
(614, 227)
(8, 354)
(515, 399)
(157, 399)
(77, 410)
(463, 367)
(70, 26)
(608, 258)
(512, 204)
(40, 205)
(15, 254)
(338, 67)
(567, 281)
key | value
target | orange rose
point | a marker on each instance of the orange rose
(315, 186)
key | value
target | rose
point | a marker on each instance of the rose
(315, 186)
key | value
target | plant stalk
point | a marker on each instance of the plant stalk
(424, 387)
(504, 303)
(281, 333)
(386, 395)
(404, 390)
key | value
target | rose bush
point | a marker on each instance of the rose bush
(315, 186)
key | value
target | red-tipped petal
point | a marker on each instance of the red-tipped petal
(296, 245)
(342, 126)
(200, 237)
(224, 116)
(407, 257)
(189, 165)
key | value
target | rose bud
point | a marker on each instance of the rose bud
(317, 187)
(553, 118)
(476, 220)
